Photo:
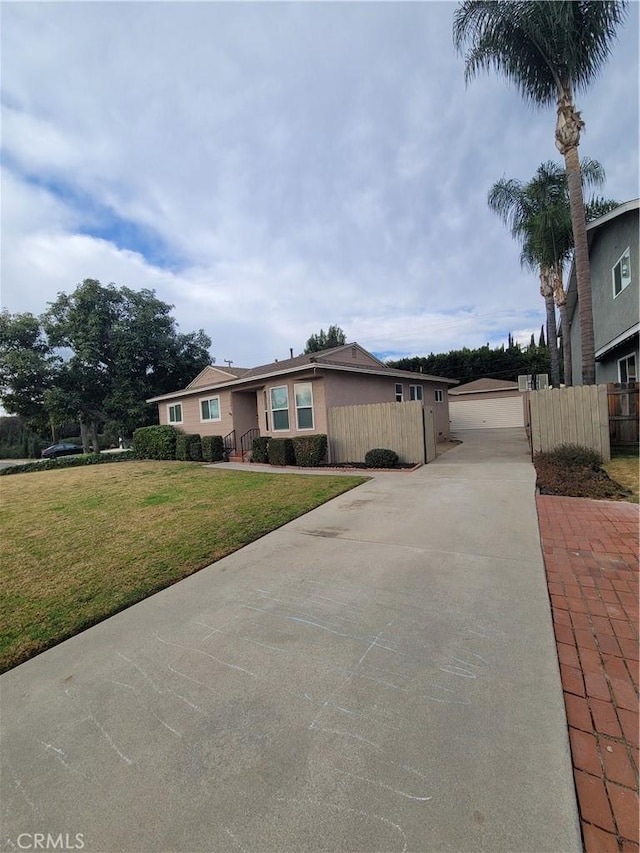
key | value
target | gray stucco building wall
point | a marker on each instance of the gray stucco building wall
(615, 317)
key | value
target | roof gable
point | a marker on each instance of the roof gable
(212, 375)
(338, 358)
(484, 385)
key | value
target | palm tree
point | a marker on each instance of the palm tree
(538, 215)
(549, 49)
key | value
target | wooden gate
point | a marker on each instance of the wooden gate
(407, 428)
(623, 413)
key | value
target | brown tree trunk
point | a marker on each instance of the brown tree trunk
(583, 272)
(568, 129)
(84, 435)
(561, 301)
(546, 289)
(94, 437)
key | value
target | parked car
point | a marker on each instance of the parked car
(63, 449)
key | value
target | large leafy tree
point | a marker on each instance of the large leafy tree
(334, 337)
(538, 215)
(550, 49)
(27, 364)
(102, 351)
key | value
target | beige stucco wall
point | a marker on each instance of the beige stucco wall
(191, 421)
(351, 355)
(319, 407)
(209, 376)
(344, 389)
(243, 410)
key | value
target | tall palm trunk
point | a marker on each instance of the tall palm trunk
(560, 298)
(568, 129)
(546, 289)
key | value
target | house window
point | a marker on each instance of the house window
(439, 395)
(621, 274)
(304, 405)
(627, 370)
(399, 392)
(175, 413)
(415, 392)
(266, 411)
(210, 409)
(280, 408)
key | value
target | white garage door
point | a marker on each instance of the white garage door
(486, 414)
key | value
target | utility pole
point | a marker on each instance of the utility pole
(227, 361)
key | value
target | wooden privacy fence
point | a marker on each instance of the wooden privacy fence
(407, 428)
(577, 415)
(623, 413)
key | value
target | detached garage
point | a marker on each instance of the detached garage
(486, 404)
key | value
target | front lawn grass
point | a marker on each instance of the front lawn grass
(624, 468)
(80, 544)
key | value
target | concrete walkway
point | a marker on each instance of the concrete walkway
(378, 675)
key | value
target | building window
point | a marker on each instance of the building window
(399, 392)
(266, 411)
(415, 392)
(621, 274)
(439, 395)
(210, 409)
(304, 405)
(175, 413)
(280, 408)
(627, 370)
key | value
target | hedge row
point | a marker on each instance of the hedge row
(69, 462)
(167, 442)
(306, 451)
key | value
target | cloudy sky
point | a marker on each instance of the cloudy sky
(272, 168)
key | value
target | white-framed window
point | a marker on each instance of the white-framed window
(304, 405)
(627, 369)
(280, 407)
(399, 392)
(415, 392)
(438, 395)
(621, 273)
(210, 409)
(174, 413)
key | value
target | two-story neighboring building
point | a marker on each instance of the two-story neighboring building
(615, 285)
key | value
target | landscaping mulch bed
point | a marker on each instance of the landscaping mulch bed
(576, 472)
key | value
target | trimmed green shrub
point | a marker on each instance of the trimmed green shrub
(575, 455)
(195, 448)
(381, 457)
(181, 446)
(260, 449)
(155, 442)
(69, 462)
(212, 448)
(281, 452)
(188, 447)
(310, 450)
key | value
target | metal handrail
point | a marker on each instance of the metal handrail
(246, 440)
(229, 441)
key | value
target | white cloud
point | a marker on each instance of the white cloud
(273, 168)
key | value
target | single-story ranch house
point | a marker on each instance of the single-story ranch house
(292, 397)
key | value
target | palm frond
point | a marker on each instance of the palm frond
(543, 47)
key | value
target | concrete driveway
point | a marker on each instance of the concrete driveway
(379, 675)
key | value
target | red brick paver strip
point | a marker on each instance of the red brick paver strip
(591, 558)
